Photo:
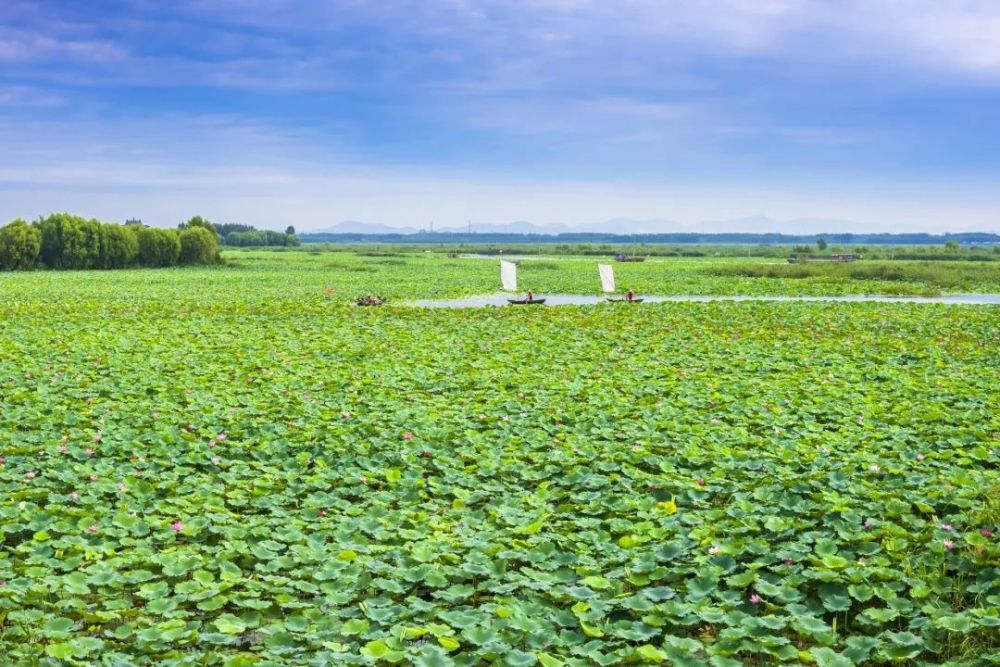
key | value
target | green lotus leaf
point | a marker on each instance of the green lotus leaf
(826, 657)
(230, 624)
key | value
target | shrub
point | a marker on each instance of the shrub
(119, 247)
(19, 246)
(158, 247)
(65, 241)
(198, 246)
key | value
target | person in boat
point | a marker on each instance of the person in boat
(531, 296)
(630, 295)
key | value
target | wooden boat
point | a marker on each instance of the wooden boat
(526, 302)
(623, 300)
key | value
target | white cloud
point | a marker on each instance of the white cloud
(29, 96)
(32, 45)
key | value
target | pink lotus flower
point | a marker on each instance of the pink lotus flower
(789, 561)
(154, 415)
(74, 496)
(947, 527)
(211, 444)
(755, 599)
(345, 415)
(653, 487)
(407, 436)
(2, 460)
(985, 533)
(948, 544)
(426, 453)
(96, 437)
(30, 474)
(363, 479)
(869, 524)
(220, 437)
(3, 582)
(63, 449)
(177, 526)
(121, 486)
(215, 460)
(93, 478)
(92, 528)
(920, 457)
(700, 482)
(320, 512)
(874, 469)
(713, 551)
(88, 451)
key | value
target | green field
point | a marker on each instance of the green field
(232, 466)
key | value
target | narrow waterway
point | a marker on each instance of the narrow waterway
(585, 299)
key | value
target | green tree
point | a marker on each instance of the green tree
(19, 246)
(951, 246)
(290, 230)
(119, 247)
(198, 221)
(69, 241)
(198, 246)
(821, 243)
(158, 247)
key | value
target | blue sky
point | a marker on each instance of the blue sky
(814, 114)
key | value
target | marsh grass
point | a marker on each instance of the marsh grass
(943, 276)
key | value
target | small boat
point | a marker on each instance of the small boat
(614, 299)
(526, 302)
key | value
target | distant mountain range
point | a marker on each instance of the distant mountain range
(620, 226)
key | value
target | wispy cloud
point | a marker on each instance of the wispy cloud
(29, 97)
(33, 46)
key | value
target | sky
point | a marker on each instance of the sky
(753, 115)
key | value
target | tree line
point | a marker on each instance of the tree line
(65, 241)
(424, 237)
(238, 235)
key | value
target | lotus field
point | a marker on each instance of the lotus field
(234, 466)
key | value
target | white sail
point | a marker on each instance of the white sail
(607, 277)
(508, 275)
